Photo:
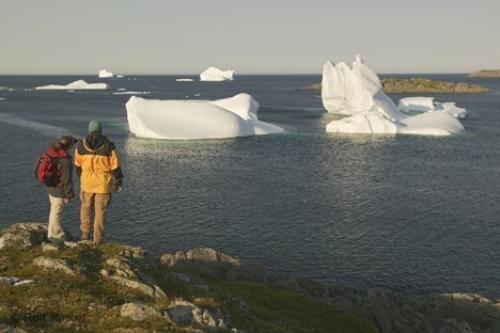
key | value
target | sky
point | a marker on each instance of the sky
(251, 37)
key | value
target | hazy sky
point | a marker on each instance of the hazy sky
(254, 36)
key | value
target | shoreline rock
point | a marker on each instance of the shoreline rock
(486, 73)
(122, 288)
(418, 85)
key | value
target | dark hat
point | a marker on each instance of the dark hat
(67, 141)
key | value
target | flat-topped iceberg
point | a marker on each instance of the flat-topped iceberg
(196, 119)
(104, 74)
(426, 104)
(356, 91)
(76, 85)
(216, 74)
(184, 80)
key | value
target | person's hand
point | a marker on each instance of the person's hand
(66, 201)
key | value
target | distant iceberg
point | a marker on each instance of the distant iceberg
(196, 119)
(120, 76)
(216, 74)
(104, 74)
(356, 92)
(184, 80)
(122, 92)
(76, 85)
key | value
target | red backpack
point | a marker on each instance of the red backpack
(47, 171)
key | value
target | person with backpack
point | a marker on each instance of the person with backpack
(98, 166)
(55, 170)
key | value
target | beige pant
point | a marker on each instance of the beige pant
(98, 202)
(55, 229)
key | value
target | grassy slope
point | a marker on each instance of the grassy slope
(56, 302)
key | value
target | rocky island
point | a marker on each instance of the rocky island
(486, 73)
(120, 288)
(418, 85)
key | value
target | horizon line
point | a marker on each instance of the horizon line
(240, 74)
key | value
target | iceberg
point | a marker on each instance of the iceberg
(184, 80)
(426, 104)
(120, 76)
(104, 74)
(216, 74)
(356, 92)
(196, 119)
(76, 85)
(123, 92)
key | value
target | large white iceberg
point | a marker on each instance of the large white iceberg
(356, 92)
(76, 85)
(104, 73)
(196, 119)
(216, 74)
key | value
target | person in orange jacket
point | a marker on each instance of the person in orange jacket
(98, 166)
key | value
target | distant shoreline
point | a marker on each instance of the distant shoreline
(418, 85)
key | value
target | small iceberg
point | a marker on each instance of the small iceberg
(104, 74)
(426, 104)
(120, 76)
(196, 119)
(76, 85)
(121, 92)
(216, 74)
(184, 80)
(356, 92)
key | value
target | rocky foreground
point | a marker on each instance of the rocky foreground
(486, 73)
(123, 289)
(418, 85)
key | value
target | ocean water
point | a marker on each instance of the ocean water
(410, 214)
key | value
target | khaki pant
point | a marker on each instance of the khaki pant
(98, 201)
(55, 229)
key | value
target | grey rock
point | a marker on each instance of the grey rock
(49, 263)
(23, 235)
(184, 313)
(13, 281)
(127, 273)
(139, 311)
(51, 247)
(71, 244)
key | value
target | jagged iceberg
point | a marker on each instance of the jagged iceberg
(356, 92)
(216, 74)
(196, 119)
(76, 85)
(104, 74)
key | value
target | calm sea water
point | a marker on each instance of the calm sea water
(411, 214)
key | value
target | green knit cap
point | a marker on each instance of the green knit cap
(95, 126)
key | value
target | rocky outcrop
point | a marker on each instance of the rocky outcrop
(23, 235)
(139, 311)
(211, 262)
(391, 313)
(185, 313)
(486, 73)
(130, 274)
(52, 264)
(421, 85)
(208, 291)
(418, 85)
